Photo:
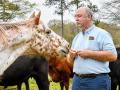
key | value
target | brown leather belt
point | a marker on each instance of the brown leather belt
(89, 75)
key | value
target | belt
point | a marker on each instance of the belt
(89, 75)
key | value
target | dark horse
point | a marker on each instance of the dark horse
(115, 72)
(24, 68)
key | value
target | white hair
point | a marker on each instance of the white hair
(88, 11)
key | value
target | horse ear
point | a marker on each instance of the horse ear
(33, 15)
(39, 14)
(37, 18)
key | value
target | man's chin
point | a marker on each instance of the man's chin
(79, 24)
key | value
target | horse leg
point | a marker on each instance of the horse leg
(1, 78)
(5, 87)
(27, 85)
(119, 85)
(114, 83)
(61, 85)
(19, 86)
(42, 82)
(38, 82)
(66, 84)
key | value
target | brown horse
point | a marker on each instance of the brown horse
(60, 71)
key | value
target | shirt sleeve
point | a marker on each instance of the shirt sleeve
(107, 43)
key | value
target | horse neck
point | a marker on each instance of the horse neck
(31, 52)
(20, 23)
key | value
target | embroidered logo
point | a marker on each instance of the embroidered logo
(91, 38)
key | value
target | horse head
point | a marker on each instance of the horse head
(46, 42)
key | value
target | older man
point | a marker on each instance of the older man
(91, 50)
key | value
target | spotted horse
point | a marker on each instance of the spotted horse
(28, 37)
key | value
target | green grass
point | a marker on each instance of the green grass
(33, 86)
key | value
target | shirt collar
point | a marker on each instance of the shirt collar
(89, 29)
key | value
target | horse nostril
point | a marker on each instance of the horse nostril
(63, 51)
(68, 46)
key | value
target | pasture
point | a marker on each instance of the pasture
(33, 86)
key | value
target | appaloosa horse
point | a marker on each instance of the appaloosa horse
(19, 37)
(28, 37)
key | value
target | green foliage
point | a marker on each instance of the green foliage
(113, 30)
(52, 2)
(5, 9)
(60, 5)
(11, 6)
(96, 22)
(94, 8)
(10, 10)
(74, 3)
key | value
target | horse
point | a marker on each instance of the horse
(29, 36)
(115, 72)
(61, 71)
(25, 67)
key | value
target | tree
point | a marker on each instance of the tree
(111, 11)
(16, 8)
(61, 6)
(78, 3)
(74, 2)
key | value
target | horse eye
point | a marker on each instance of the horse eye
(35, 27)
(48, 31)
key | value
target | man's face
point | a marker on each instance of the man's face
(81, 17)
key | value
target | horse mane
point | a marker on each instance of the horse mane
(11, 26)
(6, 28)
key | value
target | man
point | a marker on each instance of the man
(92, 50)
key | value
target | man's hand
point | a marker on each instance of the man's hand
(71, 55)
(84, 53)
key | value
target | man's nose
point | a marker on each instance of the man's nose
(76, 19)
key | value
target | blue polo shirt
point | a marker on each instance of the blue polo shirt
(97, 39)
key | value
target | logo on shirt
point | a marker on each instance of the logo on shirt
(91, 38)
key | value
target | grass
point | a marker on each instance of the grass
(33, 86)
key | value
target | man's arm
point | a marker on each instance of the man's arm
(98, 55)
